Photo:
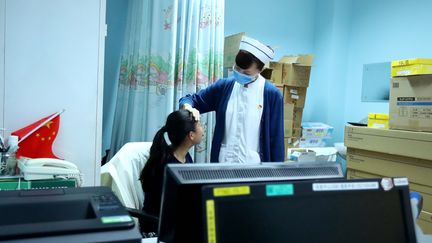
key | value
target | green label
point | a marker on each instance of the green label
(116, 219)
(279, 190)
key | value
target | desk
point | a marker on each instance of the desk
(149, 240)
(129, 235)
(420, 239)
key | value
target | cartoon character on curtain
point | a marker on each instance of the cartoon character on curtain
(159, 78)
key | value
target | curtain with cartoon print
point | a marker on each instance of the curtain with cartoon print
(171, 48)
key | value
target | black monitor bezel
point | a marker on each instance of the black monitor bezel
(305, 189)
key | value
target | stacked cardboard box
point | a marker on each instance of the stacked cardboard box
(411, 95)
(376, 153)
(411, 110)
(405, 149)
(291, 75)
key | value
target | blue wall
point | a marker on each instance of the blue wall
(116, 17)
(286, 25)
(382, 31)
(343, 35)
(325, 100)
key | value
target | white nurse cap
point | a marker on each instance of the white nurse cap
(258, 49)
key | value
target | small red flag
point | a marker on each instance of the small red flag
(38, 144)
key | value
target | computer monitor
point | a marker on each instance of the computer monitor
(372, 210)
(180, 218)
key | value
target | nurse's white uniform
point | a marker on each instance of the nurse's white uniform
(242, 123)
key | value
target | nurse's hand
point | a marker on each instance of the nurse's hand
(195, 112)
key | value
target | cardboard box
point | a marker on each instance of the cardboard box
(280, 88)
(411, 103)
(378, 120)
(295, 116)
(418, 69)
(292, 70)
(298, 115)
(416, 170)
(316, 130)
(231, 48)
(290, 131)
(288, 128)
(288, 120)
(276, 75)
(291, 142)
(301, 155)
(425, 191)
(292, 116)
(427, 198)
(306, 59)
(296, 70)
(297, 132)
(425, 215)
(397, 142)
(296, 75)
(414, 66)
(267, 73)
(425, 222)
(288, 111)
(295, 95)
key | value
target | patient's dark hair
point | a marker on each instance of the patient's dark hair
(178, 125)
(245, 59)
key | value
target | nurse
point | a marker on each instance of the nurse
(249, 110)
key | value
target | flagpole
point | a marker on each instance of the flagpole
(41, 125)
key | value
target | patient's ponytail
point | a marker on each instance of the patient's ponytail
(159, 151)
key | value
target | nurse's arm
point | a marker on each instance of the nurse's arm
(205, 100)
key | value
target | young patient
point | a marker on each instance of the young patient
(184, 131)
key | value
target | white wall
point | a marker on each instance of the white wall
(2, 37)
(53, 60)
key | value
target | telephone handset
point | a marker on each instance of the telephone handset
(48, 168)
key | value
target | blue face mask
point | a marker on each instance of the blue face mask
(241, 78)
